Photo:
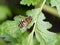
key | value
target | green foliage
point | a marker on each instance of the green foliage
(57, 4)
(40, 29)
(29, 2)
(11, 31)
(48, 2)
(9, 27)
(40, 35)
(4, 12)
(58, 42)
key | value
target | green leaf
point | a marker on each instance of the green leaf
(57, 4)
(33, 13)
(47, 2)
(29, 2)
(4, 12)
(2, 42)
(58, 42)
(40, 28)
(45, 37)
(18, 18)
(28, 40)
(11, 31)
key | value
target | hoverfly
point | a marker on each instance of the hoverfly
(24, 22)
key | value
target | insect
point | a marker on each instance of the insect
(23, 23)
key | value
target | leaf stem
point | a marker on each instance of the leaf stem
(42, 6)
(50, 10)
(38, 15)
